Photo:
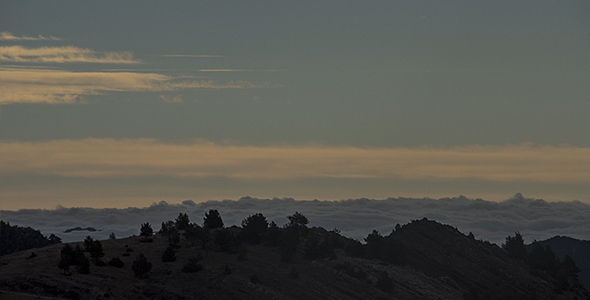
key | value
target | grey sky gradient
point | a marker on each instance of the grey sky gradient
(350, 74)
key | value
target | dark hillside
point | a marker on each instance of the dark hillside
(420, 260)
(479, 267)
(16, 238)
(577, 249)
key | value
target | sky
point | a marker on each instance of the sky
(116, 104)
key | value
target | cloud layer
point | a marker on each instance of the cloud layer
(65, 54)
(65, 87)
(493, 221)
(7, 36)
(102, 158)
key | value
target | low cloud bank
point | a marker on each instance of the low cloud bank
(492, 221)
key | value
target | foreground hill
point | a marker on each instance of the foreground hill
(420, 260)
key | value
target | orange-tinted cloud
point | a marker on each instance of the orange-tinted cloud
(65, 54)
(65, 87)
(7, 36)
(92, 158)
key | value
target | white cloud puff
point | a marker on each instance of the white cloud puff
(172, 99)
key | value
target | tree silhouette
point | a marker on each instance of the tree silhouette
(298, 220)
(182, 221)
(167, 227)
(515, 247)
(67, 258)
(273, 234)
(193, 233)
(254, 228)
(212, 219)
(146, 230)
(94, 248)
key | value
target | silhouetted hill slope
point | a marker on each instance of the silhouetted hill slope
(16, 238)
(480, 267)
(423, 260)
(577, 249)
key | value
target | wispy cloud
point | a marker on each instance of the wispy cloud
(65, 54)
(172, 99)
(99, 158)
(239, 70)
(7, 36)
(65, 87)
(188, 55)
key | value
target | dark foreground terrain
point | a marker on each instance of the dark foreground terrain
(420, 260)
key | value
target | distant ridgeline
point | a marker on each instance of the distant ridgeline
(16, 238)
(579, 251)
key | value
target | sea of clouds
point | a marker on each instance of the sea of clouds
(536, 219)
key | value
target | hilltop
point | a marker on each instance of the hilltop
(420, 260)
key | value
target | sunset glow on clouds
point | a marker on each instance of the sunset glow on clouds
(94, 158)
(64, 87)
(66, 54)
(7, 36)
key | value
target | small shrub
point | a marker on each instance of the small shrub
(192, 266)
(351, 271)
(254, 279)
(94, 248)
(294, 274)
(384, 283)
(116, 262)
(242, 253)
(355, 249)
(83, 265)
(169, 255)
(227, 270)
(33, 255)
(141, 267)
(100, 263)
